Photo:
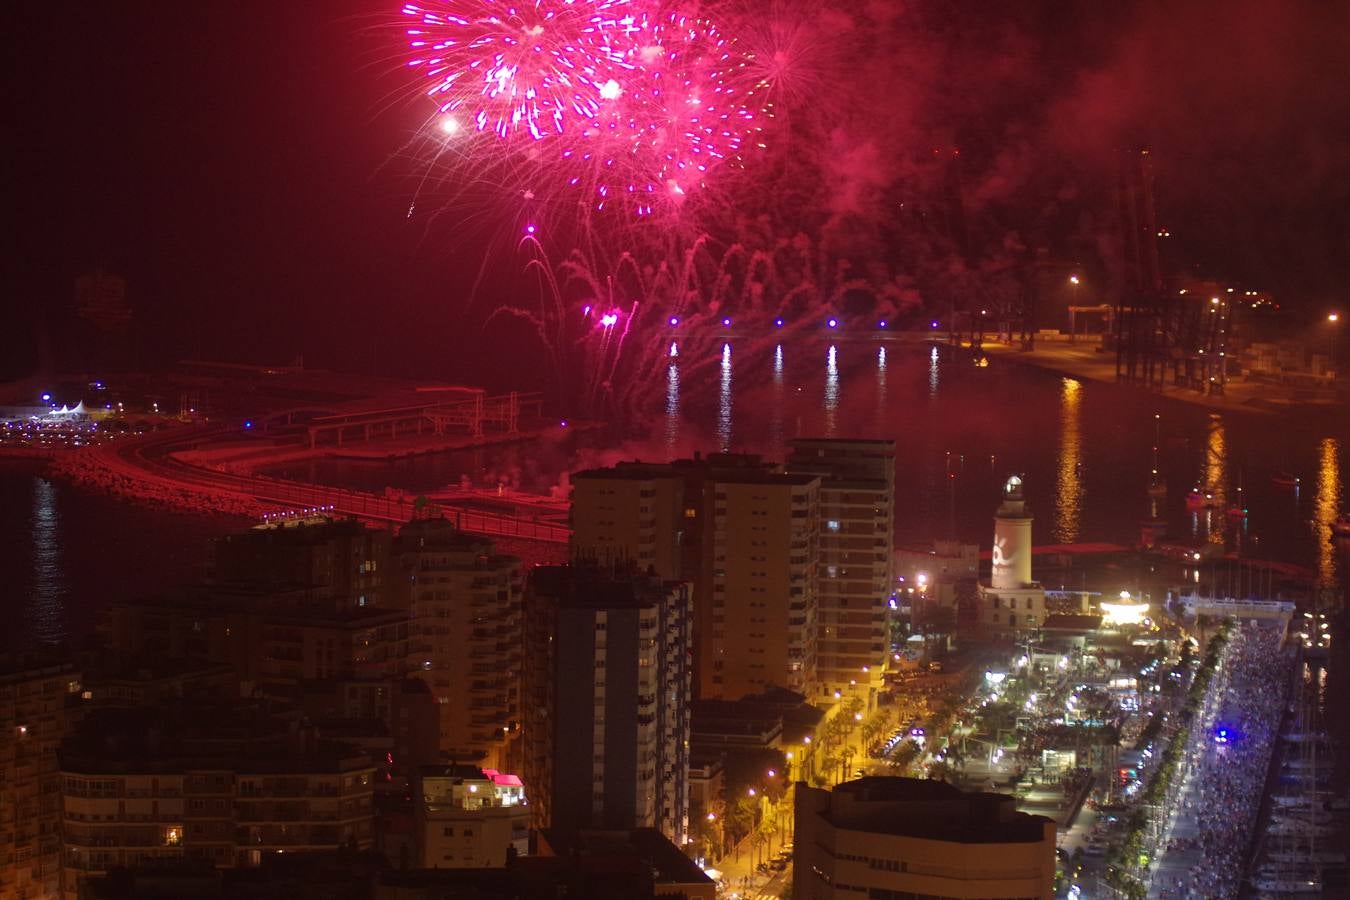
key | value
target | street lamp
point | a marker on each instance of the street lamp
(1333, 317)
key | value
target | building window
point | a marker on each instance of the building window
(448, 831)
(832, 524)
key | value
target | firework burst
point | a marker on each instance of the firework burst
(519, 68)
(626, 109)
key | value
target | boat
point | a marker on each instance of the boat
(1199, 498)
(1157, 487)
(1282, 826)
(1288, 885)
(1238, 508)
(1285, 479)
(1331, 857)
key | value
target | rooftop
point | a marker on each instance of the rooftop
(240, 737)
(1066, 622)
(930, 810)
(594, 587)
(650, 846)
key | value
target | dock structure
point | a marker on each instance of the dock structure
(471, 414)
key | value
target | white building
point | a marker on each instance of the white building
(469, 817)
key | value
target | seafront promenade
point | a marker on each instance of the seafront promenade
(1085, 359)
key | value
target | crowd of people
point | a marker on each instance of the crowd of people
(1211, 828)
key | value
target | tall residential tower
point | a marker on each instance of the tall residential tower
(857, 538)
(607, 683)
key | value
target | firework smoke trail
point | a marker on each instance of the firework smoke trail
(697, 298)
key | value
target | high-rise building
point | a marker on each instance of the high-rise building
(630, 515)
(1012, 602)
(906, 837)
(748, 544)
(855, 576)
(607, 683)
(331, 561)
(266, 639)
(465, 601)
(224, 785)
(467, 817)
(38, 706)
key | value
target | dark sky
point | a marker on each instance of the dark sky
(229, 158)
(236, 161)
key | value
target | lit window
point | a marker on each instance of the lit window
(690, 512)
(832, 524)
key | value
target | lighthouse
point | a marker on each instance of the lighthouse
(1012, 539)
(1011, 601)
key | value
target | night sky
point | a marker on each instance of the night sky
(239, 162)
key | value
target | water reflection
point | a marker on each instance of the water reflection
(724, 401)
(831, 390)
(881, 381)
(933, 374)
(1068, 484)
(49, 586)
(672, 403)
(776, 416)
(1215, 479)
(1326, 506)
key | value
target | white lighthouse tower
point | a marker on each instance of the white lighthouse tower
(1012, 601)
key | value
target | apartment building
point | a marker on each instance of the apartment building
(226, 785)
(748, 538)
(467, 817)
(465, 601)
(607, 682)
(630, 515)
(39, 704)
(856, 537)
(336, 562)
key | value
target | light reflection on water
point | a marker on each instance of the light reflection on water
(1068, 483)
(933, 371)
(1326, 506)
(881, 382)
(1216, 479)
(672, 404)
(831, 390)
(776, 416)
(49, 585)
(724, 401)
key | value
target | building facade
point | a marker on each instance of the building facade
(748, 542)
(221, 785)
(855, 575)
(335, 561)
(465, 601)
(607, 684)
(630, 515)
(39, 704)
(905, 837)
(467, 817)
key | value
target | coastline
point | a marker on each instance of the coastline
(1085, 360)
